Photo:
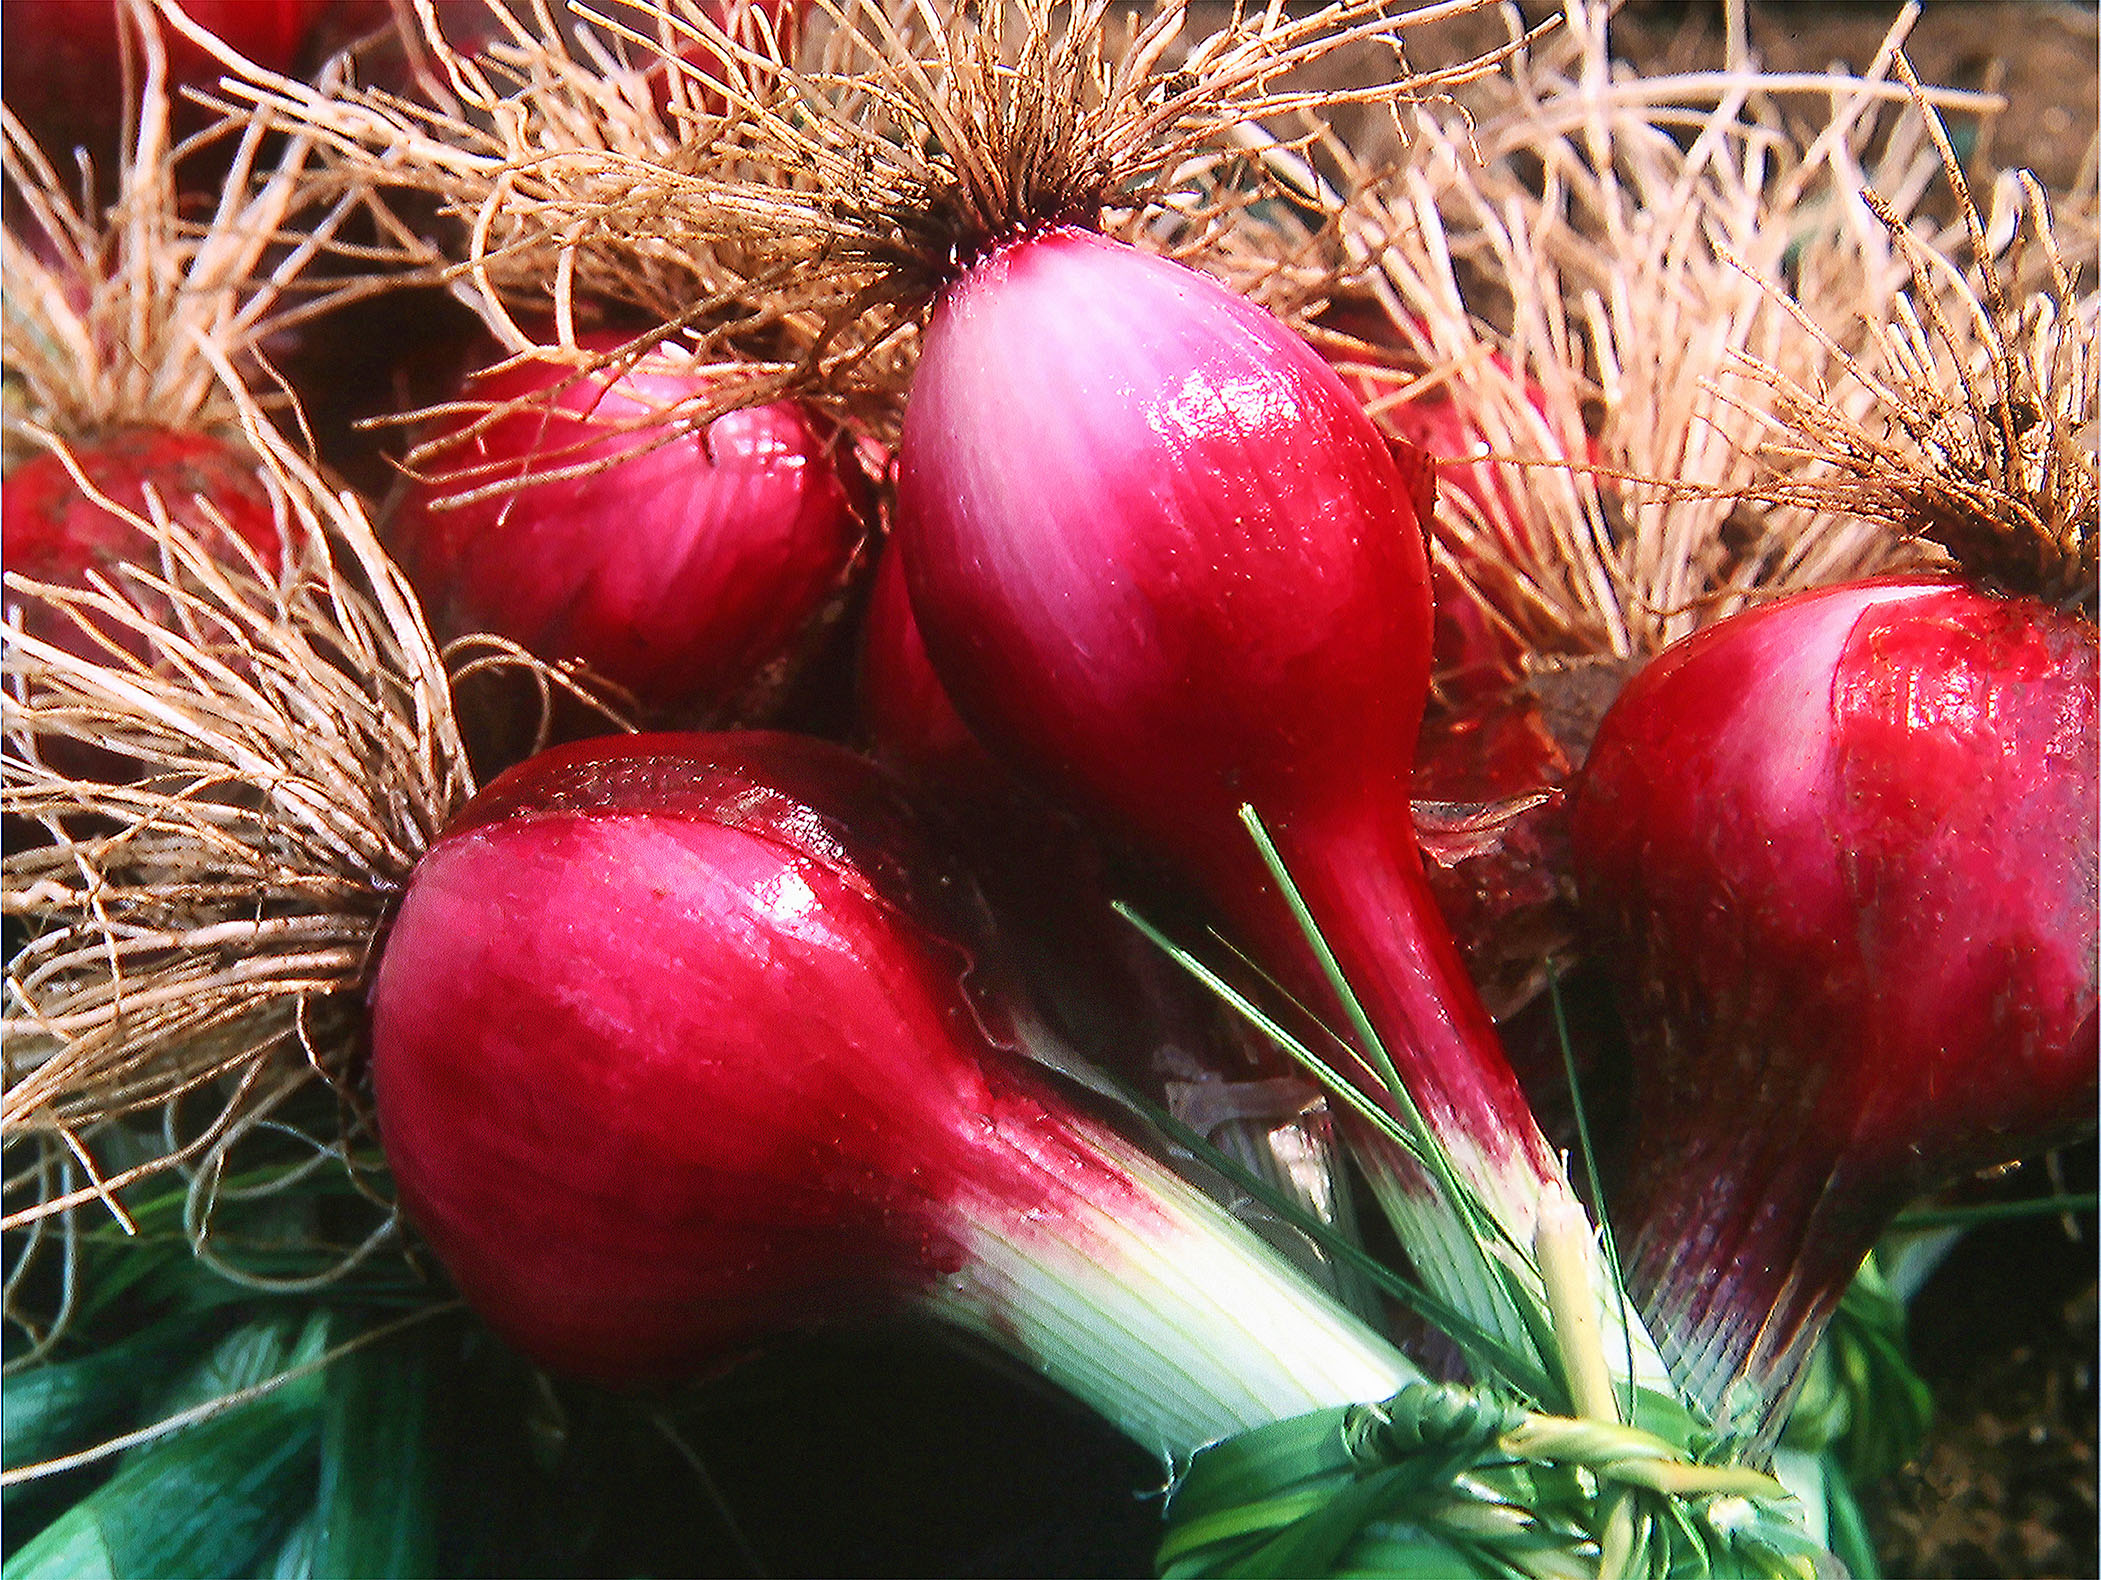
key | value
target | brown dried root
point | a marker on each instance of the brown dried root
(109, 317)
(1981, 435)
(549, 154)
(197, 935)
(550, 150)
(1579, 255)
(793, 217)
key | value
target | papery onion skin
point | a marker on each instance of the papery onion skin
(682, 571)
(1162, 559)
(1840, 853)
(674, 1054)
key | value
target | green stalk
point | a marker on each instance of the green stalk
(1463, 1233)
(1162, 1313)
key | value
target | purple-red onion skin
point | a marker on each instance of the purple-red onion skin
(672, 1055)
(681, 571)
(911, 726)
(1841, 854)
(55, 532)
(64, 61)
(52, 531)
(1165, 565)
(1105, 989)
(1168, 442)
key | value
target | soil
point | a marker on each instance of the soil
(2005, 1334)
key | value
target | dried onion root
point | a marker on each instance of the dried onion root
(1612, 242)
(120, 319)
(195, 932)
(791, 216)
(1668, 273)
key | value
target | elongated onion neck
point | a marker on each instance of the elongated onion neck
(1165, 565)
(1840, 854)
(1363, 879)
(674, 1055)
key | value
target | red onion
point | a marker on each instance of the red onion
(1107, 990)
(912, 727)
(1162, 559)
(1840, 852)
(56, 533)
(688, 571)
(674, 1052)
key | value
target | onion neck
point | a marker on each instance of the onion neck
(1157, 1310)
(1362, 879)
(1738, 1275)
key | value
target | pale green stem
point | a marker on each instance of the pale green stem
(1163, 1314)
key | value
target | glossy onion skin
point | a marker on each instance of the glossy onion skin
(1164, 564)
(671, 1056)
(1841, 854)
(681, 572)
(1142, 400)
(911, 726)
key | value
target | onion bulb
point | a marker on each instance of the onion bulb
(1164, 563)
(1839, 852)
(686, 564)
(682, 1043)
(58, 533)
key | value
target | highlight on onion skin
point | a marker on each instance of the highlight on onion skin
(1840, 853)
(1165, 565)
(681, 568)
(676, 1050)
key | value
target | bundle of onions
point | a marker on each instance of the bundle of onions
(681, 1042)
(797, 1094)
(1253, 413)
(842, 194)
